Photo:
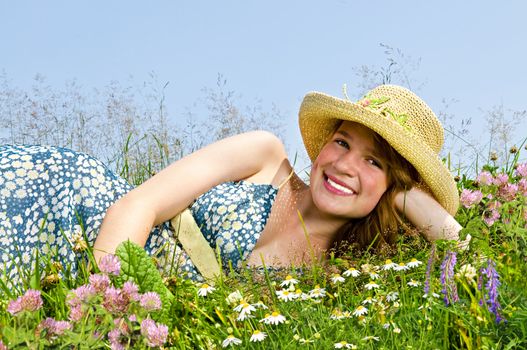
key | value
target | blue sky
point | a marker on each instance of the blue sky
(276, 51)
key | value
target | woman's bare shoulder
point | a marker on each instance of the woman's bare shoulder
(275, 166)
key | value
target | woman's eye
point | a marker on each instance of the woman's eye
(375, 163)
(342, 143)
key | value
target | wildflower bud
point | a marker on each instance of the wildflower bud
(493, 156)
(457, 178)
(79, 244)
(230, 330)
(513, 150)
(317, 335)
(57, 265)
(50, 280)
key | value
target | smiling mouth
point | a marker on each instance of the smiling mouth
(336, 188)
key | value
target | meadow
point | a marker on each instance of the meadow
(420, 295)
(417, 296)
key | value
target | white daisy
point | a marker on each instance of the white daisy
(435, 295)
(413, 263)
(274, 318)
(205, 289)
(234, 297)
(371, 285)
(389, 265)
(337, 278)
(360, 310)
(336, 315)
(374, 275)
(301, 295)
(258, 336)
(401, 267)
(345, 345)
(317, 292)
(392, 296)
(231, 339)
(413, 283)
(245, 310)
(260, 305)
(351, 272)
(370, 337)
(286, 295)
(369, 300)
(289, 281)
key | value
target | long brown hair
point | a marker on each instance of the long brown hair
(381, 226)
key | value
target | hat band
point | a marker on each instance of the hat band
(376, 105)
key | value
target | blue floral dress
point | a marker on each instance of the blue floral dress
(50, 197)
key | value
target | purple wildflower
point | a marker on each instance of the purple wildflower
(131, 290)
(468, 198)
(490, 293)
(76, 312)
(155, 333)
(114, 336)
(522, 186)
(122, 325)
(53, 327)
(115, 301)
(429, 269)
(82, 294)
(77, 297)
(150, 301)
(508, 192)
(110, 265)
(521, 170)
(118, 334)
(99, 282)
(447, 278)
(490, 217)
(30, 301)
(484, 178)
(15, 306)
(501, 179)
(2, 345)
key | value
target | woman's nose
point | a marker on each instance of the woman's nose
(347, 164)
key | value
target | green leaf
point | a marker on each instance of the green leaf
(137, 266)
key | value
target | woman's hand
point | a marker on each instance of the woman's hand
(427, 215)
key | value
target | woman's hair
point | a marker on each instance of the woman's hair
(380, 227)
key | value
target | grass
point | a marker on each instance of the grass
(325, 309)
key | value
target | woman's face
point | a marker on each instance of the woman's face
(349, 175)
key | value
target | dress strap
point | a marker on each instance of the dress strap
(287, 178)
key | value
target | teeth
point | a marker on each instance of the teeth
(339, 187)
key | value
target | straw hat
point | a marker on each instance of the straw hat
(397, 115)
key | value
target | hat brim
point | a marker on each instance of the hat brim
(320, 114)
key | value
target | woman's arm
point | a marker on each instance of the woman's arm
(427, 215)
(163, 196)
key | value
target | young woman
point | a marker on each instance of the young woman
(375, 163)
